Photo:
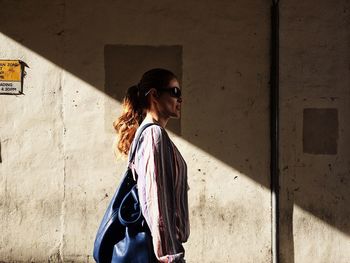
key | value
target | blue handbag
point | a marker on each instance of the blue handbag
(123, 235)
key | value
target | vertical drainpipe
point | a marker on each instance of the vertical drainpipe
(274, 130)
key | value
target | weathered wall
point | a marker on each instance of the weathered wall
(58, 171)
(315, 131)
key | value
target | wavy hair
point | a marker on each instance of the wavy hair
(135, 104)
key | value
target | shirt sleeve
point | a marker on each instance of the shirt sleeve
(156, 186)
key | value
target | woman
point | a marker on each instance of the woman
(161, 170)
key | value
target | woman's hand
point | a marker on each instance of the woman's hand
(176, 258)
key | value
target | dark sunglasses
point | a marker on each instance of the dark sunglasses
(173, 91)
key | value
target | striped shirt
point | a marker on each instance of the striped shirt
(162, 187)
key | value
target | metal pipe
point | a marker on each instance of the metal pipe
(274, 130)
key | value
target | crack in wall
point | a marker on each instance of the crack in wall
(59, 255)
(62, 148)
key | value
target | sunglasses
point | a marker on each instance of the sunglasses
(173, 91)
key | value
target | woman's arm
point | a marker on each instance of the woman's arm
(155, 167)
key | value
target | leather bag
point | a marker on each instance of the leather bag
(123, 235)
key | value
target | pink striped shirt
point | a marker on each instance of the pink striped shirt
(162, 185)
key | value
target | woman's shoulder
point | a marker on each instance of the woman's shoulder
(154, 130)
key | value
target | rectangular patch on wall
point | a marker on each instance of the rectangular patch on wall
(124, 66)
(320, 130)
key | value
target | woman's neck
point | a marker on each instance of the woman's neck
(152, 117)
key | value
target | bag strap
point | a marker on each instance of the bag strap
(136, 141)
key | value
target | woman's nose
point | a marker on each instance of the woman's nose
(179, 99)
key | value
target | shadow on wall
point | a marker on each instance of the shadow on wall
(231, 123)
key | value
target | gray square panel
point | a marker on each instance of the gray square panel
(320, 130)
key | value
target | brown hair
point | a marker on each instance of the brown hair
(134, 104)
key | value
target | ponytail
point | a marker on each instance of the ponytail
(130, 119)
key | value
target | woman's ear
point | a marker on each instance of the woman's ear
(155, 93)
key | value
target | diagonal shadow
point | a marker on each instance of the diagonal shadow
(229, 120)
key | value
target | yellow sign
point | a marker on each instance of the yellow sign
(10, 76)
(10, 70)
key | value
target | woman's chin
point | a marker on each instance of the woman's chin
(176, 116)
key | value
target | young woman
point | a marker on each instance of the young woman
(161, 170)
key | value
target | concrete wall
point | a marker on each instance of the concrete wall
(315, 131)
(58, 170)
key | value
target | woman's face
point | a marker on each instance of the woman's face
(168, 105)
